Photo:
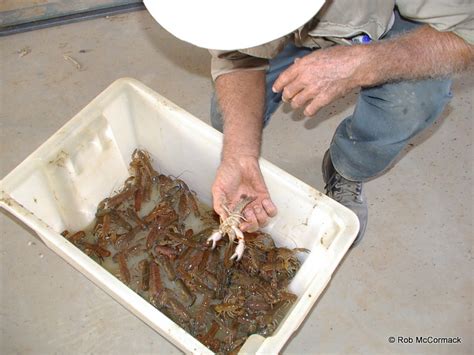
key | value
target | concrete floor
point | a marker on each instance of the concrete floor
(411, 275)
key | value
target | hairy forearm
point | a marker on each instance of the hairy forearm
(422, 53)
(241, 97)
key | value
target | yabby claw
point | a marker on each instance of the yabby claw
(239, 250)
(215, 237)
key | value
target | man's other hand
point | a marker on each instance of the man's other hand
(321, 77)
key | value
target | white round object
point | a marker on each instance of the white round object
(228, 25)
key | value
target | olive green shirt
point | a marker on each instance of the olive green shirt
(340, 20)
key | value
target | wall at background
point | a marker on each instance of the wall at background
(15, 12)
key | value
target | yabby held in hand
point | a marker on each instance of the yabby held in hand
(242, 176)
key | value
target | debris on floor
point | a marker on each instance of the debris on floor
(73, 61)
(24, 51)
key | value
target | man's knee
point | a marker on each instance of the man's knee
(406, 106)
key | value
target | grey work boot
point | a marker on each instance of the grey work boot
(346, 192)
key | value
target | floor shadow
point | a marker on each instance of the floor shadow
(193, 59)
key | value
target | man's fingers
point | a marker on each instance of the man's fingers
(324, 98)
(301, 98)
(269, 207)
(219, 200)
(250, 224)
(261, 215)
(258, 215)
(317, 103)
(220, 211)
(291, 90)
(284, 79)
(313, 107)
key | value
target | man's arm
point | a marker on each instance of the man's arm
(325, 75)
(422, 53)
(241, 97)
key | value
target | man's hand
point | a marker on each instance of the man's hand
(321, 77)
(243, 176)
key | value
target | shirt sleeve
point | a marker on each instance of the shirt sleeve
(444, 15)
(224, 62)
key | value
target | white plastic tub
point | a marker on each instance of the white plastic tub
(59, 186)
